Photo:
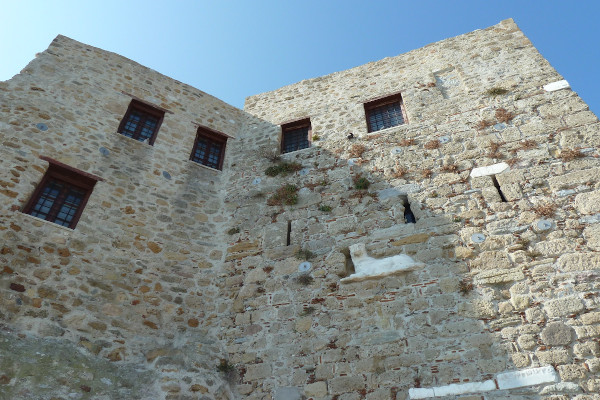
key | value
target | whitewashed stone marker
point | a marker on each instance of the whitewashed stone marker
(489, 170)
(527, 377)
(368, 267)
(551, 87)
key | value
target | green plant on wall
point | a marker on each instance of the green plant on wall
(285, 195)
(361, 183)
(284, 168)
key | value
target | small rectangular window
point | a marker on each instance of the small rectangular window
(295, 136)
(385, 113)
(61, 195)
(141, 122)
(209, 148)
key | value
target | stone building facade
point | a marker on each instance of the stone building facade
(237, 274)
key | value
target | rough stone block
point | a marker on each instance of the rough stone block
(563, 306)
(557, 334)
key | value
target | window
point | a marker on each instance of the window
(141, 122)
(209, 148)
(385, 113)
(61, 195)
(295, 136)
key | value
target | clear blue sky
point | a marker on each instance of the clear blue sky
(233, 49)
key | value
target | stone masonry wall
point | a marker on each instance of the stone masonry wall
(175, 268)
(377, 339)
(132, 284)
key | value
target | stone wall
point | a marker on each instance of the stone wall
(175, 268)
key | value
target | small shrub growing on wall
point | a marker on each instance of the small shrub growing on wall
(357, 150)
(233, 231)
(305, 280)
(465, 286)
(304, 255)
(285, 195)
(483, 124)
(325, 208)
(504, 116)
(545, 210)
(400, 172)
(271, 156)
(496, 91)
(432, 144)
(570, 154)
(360, 182)
(284, 168)
(406, 142)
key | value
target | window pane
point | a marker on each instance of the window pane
(385, 116)
(295, 139)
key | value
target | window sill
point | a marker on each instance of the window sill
(198, 165)
(41, 222)
(386, 129)
(129, 140)
(295, 152)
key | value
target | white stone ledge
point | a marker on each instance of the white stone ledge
(507, 380)
(528, 377)
(489, 170)
(558, 85)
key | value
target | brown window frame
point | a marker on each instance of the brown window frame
(288, 128)
(71, 178)
(376, 105)
(146, 111)
(213, 138)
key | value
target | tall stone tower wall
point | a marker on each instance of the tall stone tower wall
(182, 281)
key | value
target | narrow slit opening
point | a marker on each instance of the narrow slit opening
(289, 233)
(497, 186)
(409, 217)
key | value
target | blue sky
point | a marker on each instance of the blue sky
(233, 49)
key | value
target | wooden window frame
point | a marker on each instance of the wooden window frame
(146, 110)
(373, 106)
(73, 178)
(213, 137)
(291, 126)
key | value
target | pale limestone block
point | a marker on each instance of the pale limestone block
(563, 306)
(574, 179)
(527, 377)
(588, 203)
(579, 262)
(593, 364)
(592, 236)
(520, 302)
(527, 341)
(553, 357)
(587, 349)
(257, 371)
(499, 276)
(345, 384)
(555, 247)
(571, 372)
(562, 388)
(557, 334)
(590, 318)
(317, 389)
(521, 360)
(303, 324)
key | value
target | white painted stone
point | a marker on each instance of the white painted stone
(489, 170)
(368, 267)
(462, 388)
(551, 87)
(527, 377)
(420, 393)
